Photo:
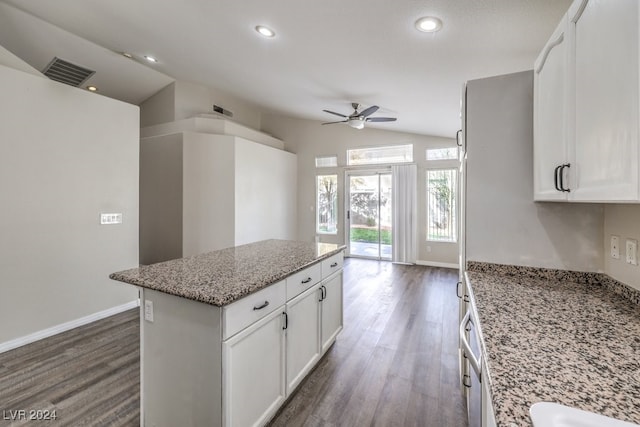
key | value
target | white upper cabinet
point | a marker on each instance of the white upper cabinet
(605, 33)
(589, 101)
(550, 123)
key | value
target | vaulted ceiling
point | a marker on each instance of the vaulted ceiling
(325, 55)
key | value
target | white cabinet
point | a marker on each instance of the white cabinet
(331, 310)
(586, 105)
(254, 389)
(550, 121)
(605, 73)
(303, 339)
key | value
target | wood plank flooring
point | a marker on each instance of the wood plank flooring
(394, 364)
(89, 375)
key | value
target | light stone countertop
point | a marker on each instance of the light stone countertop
(222, 277)
(557, 336)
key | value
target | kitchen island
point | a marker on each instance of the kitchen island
(227, 336)
(557, 336)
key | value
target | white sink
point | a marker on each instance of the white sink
(547, 414)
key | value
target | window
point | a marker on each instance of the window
(327, 204)
(450, 153)
(377, 155)
(441, 205)
(326, 161)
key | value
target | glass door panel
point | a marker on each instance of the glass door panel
(370, 215)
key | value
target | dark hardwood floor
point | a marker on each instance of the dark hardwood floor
(394, 364)
(90, 376)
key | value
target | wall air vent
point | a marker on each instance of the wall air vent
(65, 72)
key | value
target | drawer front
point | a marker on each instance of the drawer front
(303, 280)
(332, 264)
(248, 310)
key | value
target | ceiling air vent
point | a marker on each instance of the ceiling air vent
(65, 72)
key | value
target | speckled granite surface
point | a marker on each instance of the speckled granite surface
(557, 337)
(221, 277)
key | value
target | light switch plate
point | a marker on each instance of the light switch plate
(632, 252)
(615, 247)
(110, 218)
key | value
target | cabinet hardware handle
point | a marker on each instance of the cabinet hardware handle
(562, 188)
(286, 320)
(555, 178)
(323, 289)
(466, 298)
(458, 143)
(335, 264)
(266, 303)
(308, 279)
(458, 289)
(464, 381)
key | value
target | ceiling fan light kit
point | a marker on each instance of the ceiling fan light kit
(357, 119)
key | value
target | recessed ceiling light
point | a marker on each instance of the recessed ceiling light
(429, 24)
(150, 58)
(264, 31)
(127, 55)
(92, 88)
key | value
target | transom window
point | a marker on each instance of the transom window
(378, 155)
(450, 153)
(326, 161)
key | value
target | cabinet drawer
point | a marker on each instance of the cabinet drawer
(242, 313)
(332, 264)
(303, 280)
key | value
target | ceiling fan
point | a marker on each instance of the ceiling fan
(357, 119)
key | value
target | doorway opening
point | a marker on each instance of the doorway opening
(369, 221)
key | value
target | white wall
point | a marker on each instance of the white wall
(208, 188)
(266, 193)
(308, 139)
(183, 100)
(66, 155)
(622, 221)
(10, 60)
(161, 198)
(159, 108)
(504, 225)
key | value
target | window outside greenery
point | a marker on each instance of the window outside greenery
(441, 205)
(327, 204)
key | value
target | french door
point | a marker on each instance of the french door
(369, 225)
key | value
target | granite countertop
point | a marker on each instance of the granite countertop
(554, 336)
(222, 277)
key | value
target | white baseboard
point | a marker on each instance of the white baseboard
(438, 264)
(54, 330)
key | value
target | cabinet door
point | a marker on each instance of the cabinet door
(331, 310)
(303, 335)
(605, 34)
(550, 122)
(254, 372)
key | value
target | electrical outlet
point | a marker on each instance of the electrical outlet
(148, 310)
(632, 252)
(615, 247)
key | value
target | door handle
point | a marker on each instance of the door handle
(566, 165)
(556, 182)
(458, 289)
(286, 320)
(466, 348)
(458, 143)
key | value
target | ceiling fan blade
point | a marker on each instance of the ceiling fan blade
(330, 123)
(333, 112)
(369, 111)
(381, 119)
